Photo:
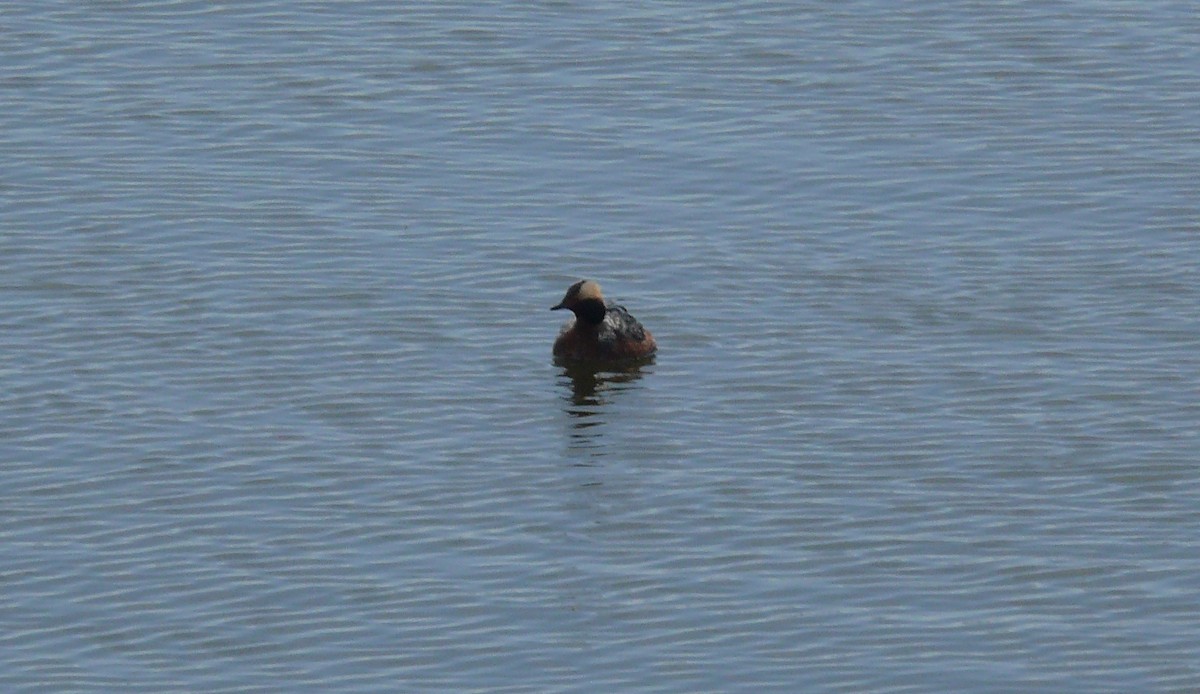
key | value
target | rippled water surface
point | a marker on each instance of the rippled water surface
(278, 410)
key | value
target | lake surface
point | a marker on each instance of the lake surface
(278, 411)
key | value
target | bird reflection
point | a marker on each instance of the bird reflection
(592, 388)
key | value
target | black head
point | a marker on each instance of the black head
(584, 300)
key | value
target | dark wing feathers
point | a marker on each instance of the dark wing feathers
(626, 324)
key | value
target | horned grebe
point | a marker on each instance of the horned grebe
(600, 331)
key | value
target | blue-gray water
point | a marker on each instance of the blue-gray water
(278, 411)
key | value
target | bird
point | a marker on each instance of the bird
(600, 331)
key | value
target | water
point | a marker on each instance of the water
(278, 409)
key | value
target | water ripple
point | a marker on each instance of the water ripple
(278, 400)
